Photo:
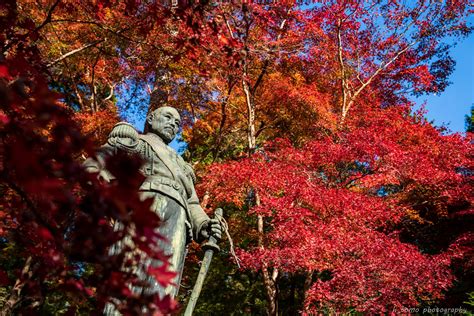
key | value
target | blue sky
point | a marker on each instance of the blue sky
(450, 107)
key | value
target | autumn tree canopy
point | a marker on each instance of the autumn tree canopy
(299, 121)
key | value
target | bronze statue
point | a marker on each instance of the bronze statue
(169, 181)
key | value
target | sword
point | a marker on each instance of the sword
(209, 247)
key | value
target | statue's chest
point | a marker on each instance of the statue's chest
(166, 163)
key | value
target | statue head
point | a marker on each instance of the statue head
(164, 122)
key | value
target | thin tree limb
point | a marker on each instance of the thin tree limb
(111, 94)
(75, 51)
(344, 87)
(95, 107)
(48, 16)
(46, 21)
(223, 118)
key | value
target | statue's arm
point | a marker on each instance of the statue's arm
(198, 217)
(122, 137)
(203, 226)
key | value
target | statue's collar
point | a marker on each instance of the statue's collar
(155, 137)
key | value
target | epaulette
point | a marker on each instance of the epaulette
(124, 130)
(124, 136)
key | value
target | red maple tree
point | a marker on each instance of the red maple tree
(340, 208)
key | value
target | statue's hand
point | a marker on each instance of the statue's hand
(211, 228)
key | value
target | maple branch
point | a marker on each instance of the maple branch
(415, 18)
(223, 119)
(193, 113)
(267, 59)
(344, 88)
(228, 27)
(48, 16)
(251, 114)
(111, 94)
(76, 91)
(245, 86)
(358, 67)
(381, 68)
(119, 33)
(348, 101)
(236, 25)
(274, 275)
(260, 76)
(46, 21)
(74, 85)
(94, 90)
(75, 51)
(103, 27)
(269, 281)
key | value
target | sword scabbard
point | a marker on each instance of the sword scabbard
(209, 247)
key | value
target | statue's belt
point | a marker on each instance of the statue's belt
(173, 190)
(166, 186)
(166, 181)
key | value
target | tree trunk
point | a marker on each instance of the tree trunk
(250, 116)
(269, 276)
(269, 281)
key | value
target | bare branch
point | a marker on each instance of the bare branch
(119, 33)
(95, 107)
(75, 51)
(344, 87)
(48, 17)
(260, 76)
(39, 27)
(111, 94)
(382, 67)
(223, 118)
(267, 59)
(231, 33)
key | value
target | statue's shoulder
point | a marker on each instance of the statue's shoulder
(123, 135)
(124, 130)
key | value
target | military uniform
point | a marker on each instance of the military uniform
(170, 182)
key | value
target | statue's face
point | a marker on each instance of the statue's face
(165, 123)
